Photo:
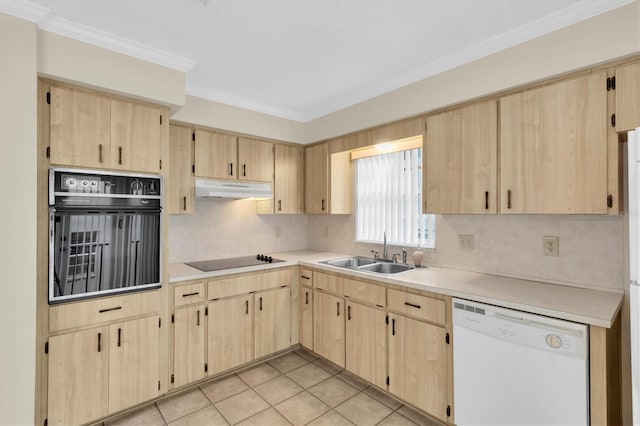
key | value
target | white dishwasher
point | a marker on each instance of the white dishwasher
(516, 368)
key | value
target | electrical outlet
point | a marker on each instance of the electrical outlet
(466, 241)
(278, 232)
(326, 232)
(551, 246)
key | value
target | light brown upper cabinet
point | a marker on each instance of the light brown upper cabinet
(316, 179)
(288, 183)
(91, 130)
(224, 156)
(553, 148)
(627, 97)
(180, 198)
(460, 160)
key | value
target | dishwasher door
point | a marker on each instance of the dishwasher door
(515, 368)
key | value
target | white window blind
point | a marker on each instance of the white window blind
(389, 198)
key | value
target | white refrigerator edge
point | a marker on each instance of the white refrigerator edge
(633, 153)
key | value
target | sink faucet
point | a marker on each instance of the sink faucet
(384, 246)
(375, 254)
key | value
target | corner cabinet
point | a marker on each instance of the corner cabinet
(288, 185)
(627, 89)
(460, 160)
(91, 130)
(181, 193)
(272, 321)
(553, 148)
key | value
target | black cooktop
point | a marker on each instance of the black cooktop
(232, 262)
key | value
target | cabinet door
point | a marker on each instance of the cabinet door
(255, 160)
(79, 129)
(306, 329)
(216, 155)
(316, 179)
(188, 345)
(418, 364)
(181, 191)
(328, 327)
(230, 333)
(460, 160)
(627, 97)
(553, 154)
(366, 343)
(135, 137)
(133, 362)
(289, 180)
(78, 377)
(272, 321)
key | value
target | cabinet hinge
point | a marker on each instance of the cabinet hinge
(448, 411)
(158, 384)
(609, 200)
(173, 318)
(160, 164)
(46, 422)
(172, 379)
(46, 347)
(613, 83)
(160, 119)
(48, 98)
(608, 83)
(206, 311)
(193, 136)
(613, 120)
(387, 319)
(446, 338)
(159, 322)
(387, 380)
(206, 367)
(48, 153)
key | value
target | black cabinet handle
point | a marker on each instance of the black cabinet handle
(393, 327)
(412, 305)
(338, 308)
(246, 307)
(119, 155)
(244, 170)
(349, 313)
(486, 200)
(231, 169)
(191, 294)
(322, 205)
(306, 297)
(279, 205)
(119, 337)
(110, 309)
(260, 303)
(99, 342)
(184, 203)
(305, 277)
(198, 316)
(100, 153)
(508, 198)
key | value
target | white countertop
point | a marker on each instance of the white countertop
(581, 305)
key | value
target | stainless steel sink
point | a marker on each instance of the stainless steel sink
(367, 264)
(385, 268)
(350, 262)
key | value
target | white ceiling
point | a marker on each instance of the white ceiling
(301, 59)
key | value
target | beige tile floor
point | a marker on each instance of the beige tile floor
(296, 388)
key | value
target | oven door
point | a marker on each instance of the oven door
(94, 253)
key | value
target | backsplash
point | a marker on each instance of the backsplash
(226, 228)
(591, 247)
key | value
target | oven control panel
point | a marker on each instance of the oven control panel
(71, 181)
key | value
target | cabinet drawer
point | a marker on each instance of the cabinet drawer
(328, 283)
(306, 277)
(365, 292)
(423, 307)
(242, 284)
(80, 314)
(188, 294)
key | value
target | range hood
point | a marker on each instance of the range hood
(235, 190)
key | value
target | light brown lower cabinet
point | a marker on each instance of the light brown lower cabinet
(272, 321)
(230, 333)
(328, 327)
(99, 371)
(366, 343)
(306, 327)
(188, 345)
(418, 367)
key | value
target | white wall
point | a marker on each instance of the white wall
(602, 38)
(227, 228)
(226, 117)
(18, 139)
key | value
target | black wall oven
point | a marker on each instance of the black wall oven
(104, 233)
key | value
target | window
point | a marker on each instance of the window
(389, 198)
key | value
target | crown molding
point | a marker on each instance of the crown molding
(24, 9)
(244, 103)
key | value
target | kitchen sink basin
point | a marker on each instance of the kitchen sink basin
(367, 264)
(351, 262)
(385, 268)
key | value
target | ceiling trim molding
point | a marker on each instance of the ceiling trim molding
(244, 103)
(115, 43)
(24, 9)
